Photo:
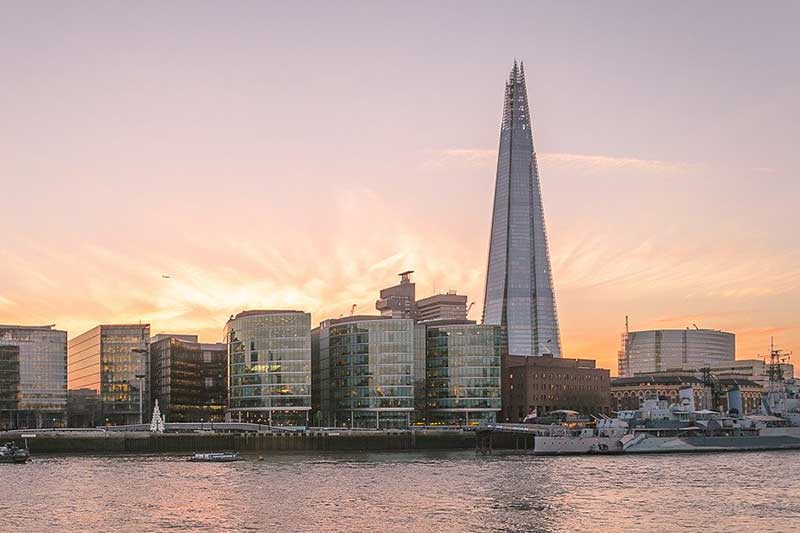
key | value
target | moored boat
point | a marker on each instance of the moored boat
(10, 453)
(215, 457)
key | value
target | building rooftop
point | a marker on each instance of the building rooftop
(705, 330)
(655, 379)
(356, 318)
(452, 322)
(51, 327)
(741, 382)
(256, 312)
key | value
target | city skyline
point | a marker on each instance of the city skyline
(270, 167)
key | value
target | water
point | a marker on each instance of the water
(439, 492)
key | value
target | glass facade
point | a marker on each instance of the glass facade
(269, 367)
(367, 371)
(109, 360)
(462, 374)
(670, 349)
(189, 379)
(519, 286)
(33, 377)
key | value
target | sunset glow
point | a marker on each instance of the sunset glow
(253, 173)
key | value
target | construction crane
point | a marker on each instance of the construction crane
(469, 307)
(353, 309)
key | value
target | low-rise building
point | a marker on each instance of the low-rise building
(542, 384)
(629, 392)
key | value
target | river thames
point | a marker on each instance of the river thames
(438, 491)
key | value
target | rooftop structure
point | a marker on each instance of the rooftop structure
(398, 301)
(450, 306)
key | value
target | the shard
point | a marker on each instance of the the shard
(519, 284)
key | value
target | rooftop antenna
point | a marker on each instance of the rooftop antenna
(626, 325)
(353, 309)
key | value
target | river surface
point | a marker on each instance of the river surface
(440, 491)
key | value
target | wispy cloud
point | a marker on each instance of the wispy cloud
(482, 157)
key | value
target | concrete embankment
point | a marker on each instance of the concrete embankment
(323, 441)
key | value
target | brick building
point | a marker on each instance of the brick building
(547, 383)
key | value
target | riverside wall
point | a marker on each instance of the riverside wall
(324, 441)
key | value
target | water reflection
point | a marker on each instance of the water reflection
(404, 492)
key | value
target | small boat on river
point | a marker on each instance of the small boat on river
(11, 453)
(215, 457)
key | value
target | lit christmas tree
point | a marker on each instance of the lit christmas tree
(157, 424)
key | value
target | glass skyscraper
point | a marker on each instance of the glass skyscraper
(519, 285)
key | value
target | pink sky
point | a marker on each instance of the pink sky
(275, 156)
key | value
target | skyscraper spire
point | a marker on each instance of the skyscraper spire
(519, 285)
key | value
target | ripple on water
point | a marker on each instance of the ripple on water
(443, 491)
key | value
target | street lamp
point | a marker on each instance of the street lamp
(140, 377)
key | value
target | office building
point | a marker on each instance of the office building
(368, 366)
(462, 371)
(269, 367)
(398, 301)
(33, 377)
(519, 286)
(113, 360)
(189, 378)
(543, 384)
(645, 352)
(450, 306)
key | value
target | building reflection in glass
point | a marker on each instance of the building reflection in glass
(189, 378)
(462, 373)
(269, 366)
(108, 359)
(33, 377)
(366, 368)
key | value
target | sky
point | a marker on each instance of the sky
(300, 155)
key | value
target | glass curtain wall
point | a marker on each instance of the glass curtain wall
(269, 361)
(463, 374)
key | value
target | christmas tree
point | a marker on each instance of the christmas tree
(157, 424)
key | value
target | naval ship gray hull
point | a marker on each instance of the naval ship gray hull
(776, 439)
